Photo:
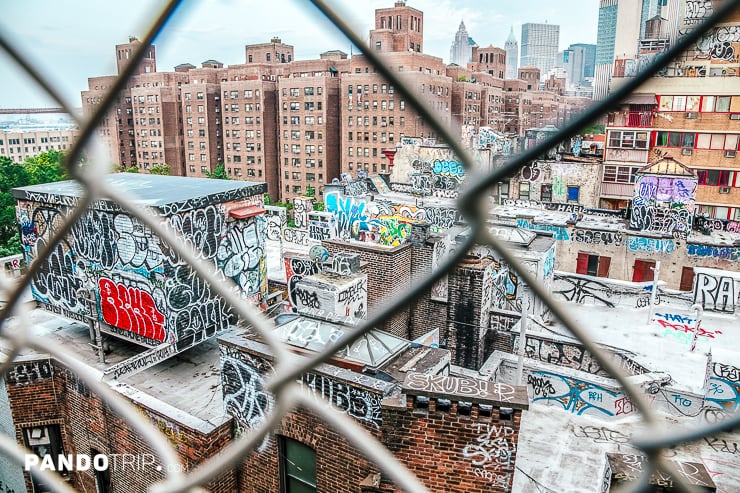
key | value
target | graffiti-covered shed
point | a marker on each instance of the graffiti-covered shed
(115, 269)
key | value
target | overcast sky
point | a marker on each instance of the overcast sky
(74, 39)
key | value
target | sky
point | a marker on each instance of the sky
(75, 39)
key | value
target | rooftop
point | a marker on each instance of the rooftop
(151, 190)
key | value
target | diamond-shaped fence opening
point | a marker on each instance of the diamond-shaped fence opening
(287, 367)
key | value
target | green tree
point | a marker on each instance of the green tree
(267, 199)
(160, 169)
(44, 168)
(124, 169)
(310, 192)
(47, 167)
(219, 173)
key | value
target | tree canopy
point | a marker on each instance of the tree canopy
(218, 173)
(44, 168)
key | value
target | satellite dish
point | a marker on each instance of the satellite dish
(345, 177)
(335, 181)
(317, 253)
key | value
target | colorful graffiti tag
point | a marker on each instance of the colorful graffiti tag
(577, 396)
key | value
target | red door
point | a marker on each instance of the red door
(643, 271)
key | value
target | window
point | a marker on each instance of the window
(308, 91)
(592, 265)
(43, 441)
(524, 190)
(295, 92)
(628, 140)
(546, 192)
(573, 193)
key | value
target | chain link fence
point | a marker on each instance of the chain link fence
(472, 204)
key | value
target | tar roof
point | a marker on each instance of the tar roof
(151, 190)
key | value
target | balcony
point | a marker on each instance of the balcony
(617, 190)
(632, 119)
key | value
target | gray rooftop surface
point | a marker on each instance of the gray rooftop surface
(150, 190)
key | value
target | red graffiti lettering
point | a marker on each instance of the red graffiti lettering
(624, 406)
(686, 328)
(131, 309)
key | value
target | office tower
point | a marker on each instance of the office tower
(540, 46)
(461, 50)
(512, 55)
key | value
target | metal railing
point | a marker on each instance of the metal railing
(289, 368)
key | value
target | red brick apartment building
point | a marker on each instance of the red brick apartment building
(237, 116)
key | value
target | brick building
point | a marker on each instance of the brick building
(153, 123)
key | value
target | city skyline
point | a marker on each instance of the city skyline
(203, 31)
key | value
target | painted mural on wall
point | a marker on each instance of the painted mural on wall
(663, 204)
(142, 290)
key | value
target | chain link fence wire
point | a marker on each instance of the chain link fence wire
(472, 203)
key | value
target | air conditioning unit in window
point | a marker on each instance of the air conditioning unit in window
(692, 115)
(687, 151)
(730, 153)
(734, 116)
(724, 189)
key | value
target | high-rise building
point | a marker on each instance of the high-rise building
(540, 46)
(589, 58)
(461, 50)
(578, 63)
(512, 55)
(607, 31)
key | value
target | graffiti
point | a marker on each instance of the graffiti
(275, 221)
(245, 396)
(644, 301)
(723, 391)
(598, 237)
(305, 298)
(130, 309)
(715, 293)
(361, 404)
(580, 397)
(549, 265)
(297, 268)
(301, 208)
(500, 289)
(241, 258)
(57, 282)
(355, 188)
(29, 233)
(624, 405)
(526, 204)
(30, 372)
(348, 211)
(296, 236)
(723, 446)
(560, 233)
(696, 11)
(723, 253)
(531, 172)
(682, 324)
(562, 354)
(493, 448)
(582, 290)
(441, 250)
(650, 245)
(703, 223)
(718, 42)
(463, 387)
(600, 434)
(540, 386)
(321, 226)
(141, 361)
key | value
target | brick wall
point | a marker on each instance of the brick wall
(86, 423)
(463, 332)
(388, 275)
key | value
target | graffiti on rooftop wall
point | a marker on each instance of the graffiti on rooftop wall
(717, 292)
(491, 455)
(577, 396)
(723, 387)
(243, 382)
(720, 44)
(663, 205)
(682, 327)
(361, 404)
(650, 245)
(141, 289)
(731, 254)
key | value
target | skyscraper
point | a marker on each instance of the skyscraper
(605, 38)
(540, 46)
(461, 50)
(512, 55)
